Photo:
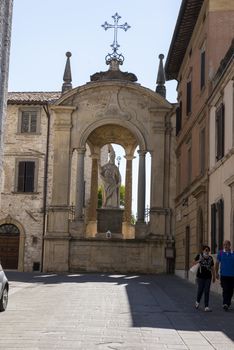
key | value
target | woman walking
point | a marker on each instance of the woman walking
(205, 273)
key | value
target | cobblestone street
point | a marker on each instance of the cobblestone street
(103, 311)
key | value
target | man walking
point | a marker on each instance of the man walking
(225, 260)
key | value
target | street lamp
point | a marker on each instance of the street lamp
(118, 160)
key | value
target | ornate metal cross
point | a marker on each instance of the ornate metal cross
(116, 26)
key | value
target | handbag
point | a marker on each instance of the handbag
(194, 268)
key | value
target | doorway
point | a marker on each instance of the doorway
(9, 246)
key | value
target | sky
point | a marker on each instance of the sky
(44, 30)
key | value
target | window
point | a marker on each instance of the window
(178, 177)
(200, 229)
(220, 132)
(189, 97)
(202, 68)
(189, 168)
(29, 121)
(202, 151)
(178, 118)
(26, 176)
(217, 233)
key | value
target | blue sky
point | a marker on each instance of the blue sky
(43, 30)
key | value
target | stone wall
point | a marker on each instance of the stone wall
(26, 211)
(123, 256)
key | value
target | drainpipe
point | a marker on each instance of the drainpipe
(46, 110)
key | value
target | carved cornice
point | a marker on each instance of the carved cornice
(230, 181)
(160, 211)
(199, 191)
(113, 75)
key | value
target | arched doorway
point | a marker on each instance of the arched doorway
(9, 246)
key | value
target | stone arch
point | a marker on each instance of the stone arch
(11, 221)
(140, 139)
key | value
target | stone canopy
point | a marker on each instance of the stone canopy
(102, 112)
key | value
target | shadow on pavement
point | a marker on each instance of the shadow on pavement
(156, 301)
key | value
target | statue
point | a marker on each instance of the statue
(111, 178)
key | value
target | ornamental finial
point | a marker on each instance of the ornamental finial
(67, 77)
(161, 89)
(115, 55)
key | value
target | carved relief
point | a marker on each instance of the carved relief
(113, 108)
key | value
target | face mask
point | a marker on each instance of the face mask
(205, 254)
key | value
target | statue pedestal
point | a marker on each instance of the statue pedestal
(109, 219)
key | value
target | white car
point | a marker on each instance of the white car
(4, 288)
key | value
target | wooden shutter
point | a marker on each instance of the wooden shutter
(21, 174)
(220, 132)
(222, 128)
(178, 118)
(213, 228)
(26, 172)
(189, 97)
(203, 63)
(202, 151)
(29, 176)
(220, 221)
(189, 165)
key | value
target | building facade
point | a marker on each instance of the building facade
(221, 155)
(202, 36)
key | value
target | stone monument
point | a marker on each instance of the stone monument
(110, 216)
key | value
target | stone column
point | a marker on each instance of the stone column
(91, 222)
(80, 184)
(158, 211)
(62, 159)
(141, 188)
(128, 189)
(92, 215)
(56, 244)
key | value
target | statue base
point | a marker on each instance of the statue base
(109, 219)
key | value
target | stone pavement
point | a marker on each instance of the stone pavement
(104, 311)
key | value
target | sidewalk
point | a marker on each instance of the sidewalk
(104, 311)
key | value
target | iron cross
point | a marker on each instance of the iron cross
(116, 26)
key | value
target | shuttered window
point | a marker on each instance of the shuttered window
(220, 132)
(26, 173)
(189, 169)
(217, 226)
(203, 65)
(213, 228)
(178, 118)
(189, 97)
(220, 213)
(202, 151)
